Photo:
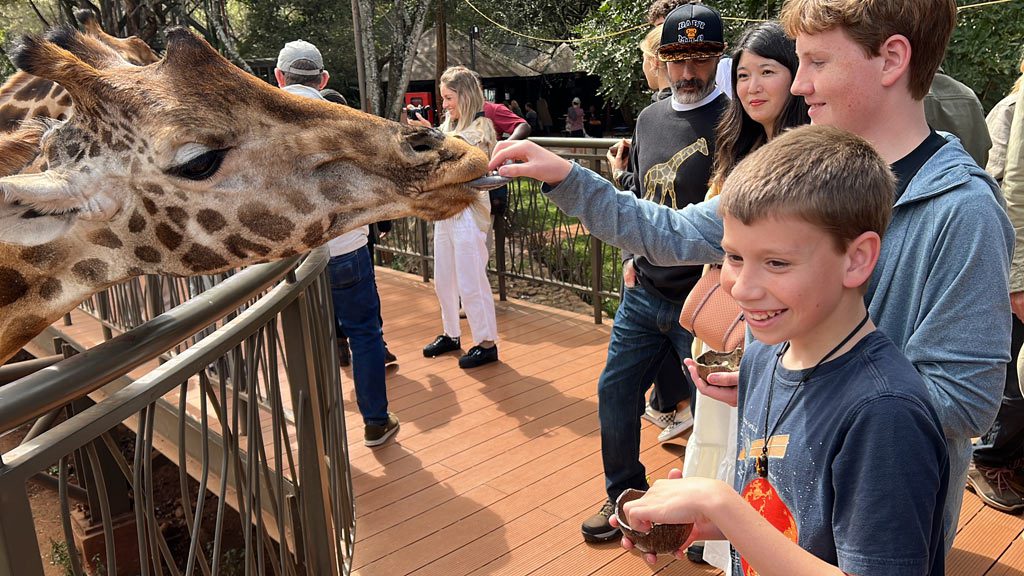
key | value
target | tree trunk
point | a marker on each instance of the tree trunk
(408, 29)
(372, 96)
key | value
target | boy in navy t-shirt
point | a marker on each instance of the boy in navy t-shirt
(842, 466)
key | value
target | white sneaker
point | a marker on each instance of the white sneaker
(682, 422)
(659, 419)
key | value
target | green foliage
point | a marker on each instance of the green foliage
(985, 51)
(617, 59)
(59, 557)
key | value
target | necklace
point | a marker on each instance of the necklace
(761, 464)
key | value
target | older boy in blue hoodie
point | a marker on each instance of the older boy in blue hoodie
(940, 289)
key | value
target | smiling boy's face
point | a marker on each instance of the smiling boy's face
(788, 277)
(839, 81)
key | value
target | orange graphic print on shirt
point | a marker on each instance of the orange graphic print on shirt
(763, 497)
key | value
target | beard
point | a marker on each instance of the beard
(693, 90)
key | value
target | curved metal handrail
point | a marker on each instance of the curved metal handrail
(55, 386)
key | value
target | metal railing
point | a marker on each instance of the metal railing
(533, 240)
(252, 416)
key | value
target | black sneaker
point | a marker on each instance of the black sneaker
(377, 434)
(440, 345)
(389, 358)
(344, 355)
(995, 487)
(695, 554)
(478, 356)
(597, 528)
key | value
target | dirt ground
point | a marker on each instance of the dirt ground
(170, 516)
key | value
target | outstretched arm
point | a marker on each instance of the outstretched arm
(667, 237)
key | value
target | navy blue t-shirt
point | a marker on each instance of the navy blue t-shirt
(857, 469)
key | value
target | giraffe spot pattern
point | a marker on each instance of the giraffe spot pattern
(43, 256)
(137, 223)
(105, 238)
(43, 111)
(136, 271)
(25, 328)
(210, 220)
(167, 236)
(11, 116)
(180, 195)
(64, 100)
(50, 289)
(242, 247)
(314, 235)
(178, 215)
(148, 254)
(153, 189)
(34, 90)
(12, 286)
(289, 253)
(150, 206)
(200, 258)
(94, 149)
(264, 223)
(91, 271)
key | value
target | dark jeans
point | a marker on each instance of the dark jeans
(646, 328)
(1003, 443)
(670, 385)
(357, 312)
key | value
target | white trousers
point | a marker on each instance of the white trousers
(460, 270)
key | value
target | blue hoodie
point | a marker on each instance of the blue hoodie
(940, 289)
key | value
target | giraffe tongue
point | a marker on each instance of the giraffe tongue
(489, 182)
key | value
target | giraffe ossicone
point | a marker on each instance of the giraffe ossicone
(191, 166)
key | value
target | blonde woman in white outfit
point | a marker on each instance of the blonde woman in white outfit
(460, 242)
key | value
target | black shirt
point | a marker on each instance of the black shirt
(673, 152)
(907, 167)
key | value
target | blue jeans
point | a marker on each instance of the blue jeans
(357, 312)
(646, 327)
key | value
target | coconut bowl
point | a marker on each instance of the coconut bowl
(660, 539)
(711, 362)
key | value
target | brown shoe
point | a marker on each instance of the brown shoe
(995, 487)
(377, 434)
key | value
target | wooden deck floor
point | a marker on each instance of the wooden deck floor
(495, 468)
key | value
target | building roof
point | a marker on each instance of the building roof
(489, 63)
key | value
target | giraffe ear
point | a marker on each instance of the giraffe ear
(43, 58)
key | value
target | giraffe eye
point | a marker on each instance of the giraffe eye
(201, 167)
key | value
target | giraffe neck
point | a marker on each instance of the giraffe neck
(701, 145)
(39, 284)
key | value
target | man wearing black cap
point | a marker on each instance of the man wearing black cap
(672, 150)
(300, 71)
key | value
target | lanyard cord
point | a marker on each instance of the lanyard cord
(762, 460)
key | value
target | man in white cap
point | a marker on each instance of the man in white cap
(300, 71)
(672, 150)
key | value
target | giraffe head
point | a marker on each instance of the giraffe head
(190, 166)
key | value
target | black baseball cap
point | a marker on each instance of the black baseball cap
(691, 31)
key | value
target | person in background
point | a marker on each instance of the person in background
(595, 123)
(672, 150)
(574, 120)
(332, 95)
(460, 242)
(544, 115)
(514, 107)
(951, 106)
(300, 71)
(531, 119)
(996, 474)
